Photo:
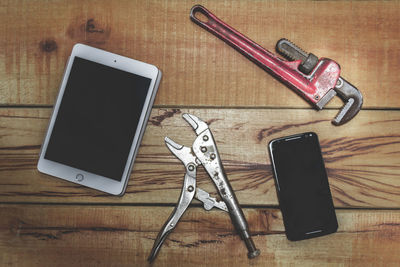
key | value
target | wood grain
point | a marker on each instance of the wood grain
(49, 222)
(200, 70)
(353, 154)
(42, 235)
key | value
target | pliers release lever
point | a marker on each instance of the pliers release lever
(203, 152)
(316, 80)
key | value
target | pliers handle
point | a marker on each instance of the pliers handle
(205, 149)
(187, 194)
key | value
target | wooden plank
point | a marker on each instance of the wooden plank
(48, 235)
(362, 158)
(37, 37)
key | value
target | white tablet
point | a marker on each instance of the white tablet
(99, 119)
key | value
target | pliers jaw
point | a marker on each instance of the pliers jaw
(183, 153)
(198, 125)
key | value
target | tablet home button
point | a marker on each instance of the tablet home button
(79, 177)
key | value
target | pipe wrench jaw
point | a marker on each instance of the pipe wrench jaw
(350, 95)
(352, 98)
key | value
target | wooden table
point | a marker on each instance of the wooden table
(49, 222)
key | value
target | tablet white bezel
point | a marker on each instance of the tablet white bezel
(95, 181)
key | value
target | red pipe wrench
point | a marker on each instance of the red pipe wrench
(316, 80)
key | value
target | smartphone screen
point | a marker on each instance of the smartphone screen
(302, 186)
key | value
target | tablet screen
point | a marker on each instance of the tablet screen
(97, 118)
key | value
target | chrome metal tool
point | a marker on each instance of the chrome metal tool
(203, 152)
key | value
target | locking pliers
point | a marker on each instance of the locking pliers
(203, 152)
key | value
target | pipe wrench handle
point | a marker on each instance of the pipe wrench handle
(206, 151)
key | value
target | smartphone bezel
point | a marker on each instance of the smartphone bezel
(290, 233)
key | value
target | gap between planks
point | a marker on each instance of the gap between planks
(192, 205)
(2, 106)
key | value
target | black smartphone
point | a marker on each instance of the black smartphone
(302, 186)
